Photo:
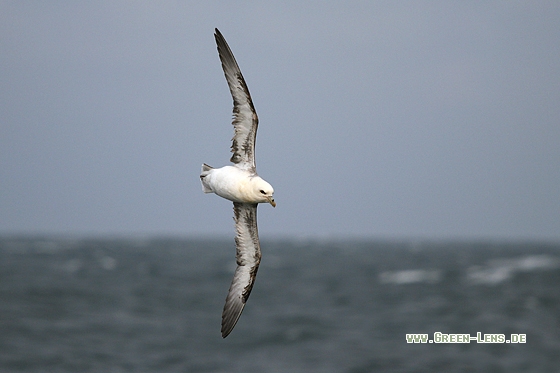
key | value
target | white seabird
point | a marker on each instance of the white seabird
(241, 184)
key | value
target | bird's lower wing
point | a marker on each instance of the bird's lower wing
(248, 259)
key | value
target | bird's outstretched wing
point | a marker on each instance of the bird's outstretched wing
(245, 120)
(248, 259)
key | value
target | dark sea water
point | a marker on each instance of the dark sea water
(154, 305)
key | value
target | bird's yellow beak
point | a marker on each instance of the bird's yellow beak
(271, 201)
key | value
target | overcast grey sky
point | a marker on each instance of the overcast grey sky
(436, 119)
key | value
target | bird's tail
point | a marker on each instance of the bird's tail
(206, 169)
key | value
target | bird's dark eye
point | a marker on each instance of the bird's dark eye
(262, 191)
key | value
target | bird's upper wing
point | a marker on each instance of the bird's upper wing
(245, 120)
(248, 259)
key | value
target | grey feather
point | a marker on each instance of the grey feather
(248, 260)
(245, 119)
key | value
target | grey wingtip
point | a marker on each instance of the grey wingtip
(230, 317)
(218, 34)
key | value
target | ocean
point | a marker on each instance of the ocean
(154, 305)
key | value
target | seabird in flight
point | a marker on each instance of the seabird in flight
(241, 184)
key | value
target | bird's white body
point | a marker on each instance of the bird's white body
(236, 185)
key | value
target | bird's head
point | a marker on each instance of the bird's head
(263, 191)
